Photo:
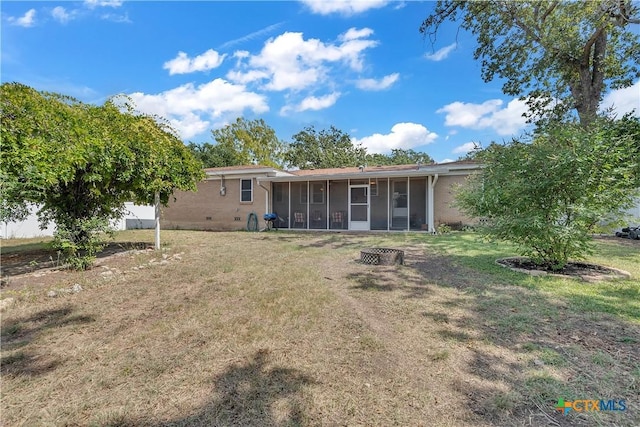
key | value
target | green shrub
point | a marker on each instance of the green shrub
(81, 241)
(547, 196)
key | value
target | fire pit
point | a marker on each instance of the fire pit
(382, 256)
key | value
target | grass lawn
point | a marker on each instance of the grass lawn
(290, 329)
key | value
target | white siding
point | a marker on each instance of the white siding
(137, 217)
(30, 227)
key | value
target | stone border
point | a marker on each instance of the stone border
(610, 274)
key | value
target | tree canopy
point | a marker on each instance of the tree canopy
(328, 148)
(245, 142)
(547, 195)
(557, 55)
(399, 156)
(80, 163)
(215, 155)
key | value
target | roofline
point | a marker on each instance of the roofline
(422, 171)
(216, 173)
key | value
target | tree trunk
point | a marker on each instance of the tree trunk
(587, 90)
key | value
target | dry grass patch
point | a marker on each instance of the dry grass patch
(289, 329)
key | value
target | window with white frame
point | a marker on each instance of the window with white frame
(246, 190)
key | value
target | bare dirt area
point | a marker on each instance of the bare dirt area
(20, 268)
(291, 329)
(623, 241)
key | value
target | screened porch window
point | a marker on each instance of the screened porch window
(317, 193)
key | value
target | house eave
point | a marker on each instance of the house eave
(424, 171)
(260, 173)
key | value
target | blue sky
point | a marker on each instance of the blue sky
(361, 66)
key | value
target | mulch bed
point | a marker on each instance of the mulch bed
(578, 270)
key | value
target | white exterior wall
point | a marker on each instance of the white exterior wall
(30, 227)
(144, 215)
(634, 212)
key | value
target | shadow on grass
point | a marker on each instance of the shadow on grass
(610, 247)
(343, 240)
(249, 394)
(528, 329)
(16, 261)
(367, 281)
(434, 269)
(19, 333)
(542, 328)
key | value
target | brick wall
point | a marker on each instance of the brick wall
(443, 198)
(207, 209)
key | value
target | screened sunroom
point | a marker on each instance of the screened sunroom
(390, 198)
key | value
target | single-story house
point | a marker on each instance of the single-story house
(401, 197)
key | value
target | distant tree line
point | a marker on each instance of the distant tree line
(246, 142)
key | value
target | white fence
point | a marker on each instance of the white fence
(135, 217)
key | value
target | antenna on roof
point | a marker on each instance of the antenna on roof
(361, 167)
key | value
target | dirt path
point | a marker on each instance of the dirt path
(397, 307)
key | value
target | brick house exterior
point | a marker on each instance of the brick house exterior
(223, 200)
(403, 197)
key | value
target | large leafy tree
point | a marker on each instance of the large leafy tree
(247, 142)
(328, 148)
(80, 163)
(547, 195)
(557, 55)
(215, 155)
(399, 156)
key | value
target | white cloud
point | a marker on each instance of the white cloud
(182, 64)
(289, 62)
(402, 135)
(91, 4)
(314, 103)
(465, 148)
(373, 84)
(441, 53)
(468, 115)
(623, 100)
(27, 20)
(446, 161)
(489, 114)
(190, 108)
(60, 14)
(246, 77)
(355, 34)
(400, 5)
(343, 7)
(114, 17)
